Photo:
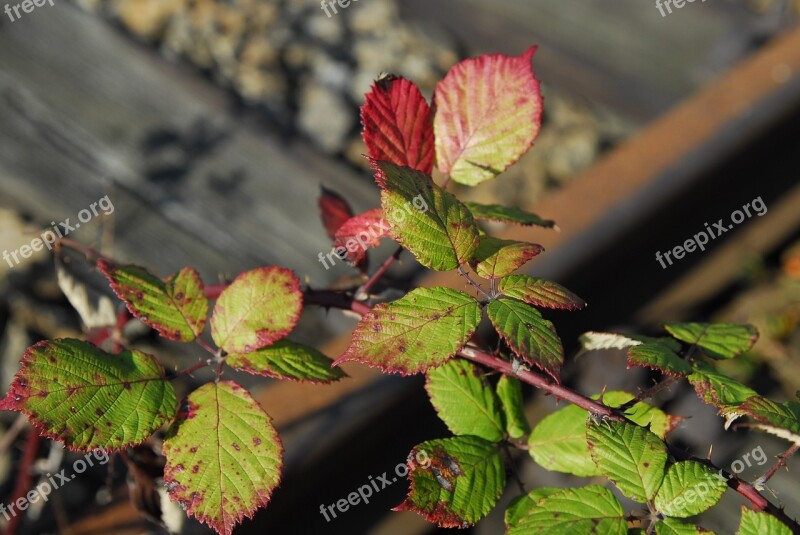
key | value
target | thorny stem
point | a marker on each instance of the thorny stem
(474, 354)
(658, 387)
(782, 460)
(346, 301)
(649, 393)
(463, 273)
(363, 292)
(198, 366)
(205, 346)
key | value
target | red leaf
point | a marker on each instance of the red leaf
(397, 124)
(360, 233)
(334, 211)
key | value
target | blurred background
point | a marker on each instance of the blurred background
(211, 125)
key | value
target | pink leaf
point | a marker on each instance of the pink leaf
(360, 233)
(488, 113)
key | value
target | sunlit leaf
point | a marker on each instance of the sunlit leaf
(781, 415)
(719, 390)
(528, 334)
(258, 308)
(465, 401)
(397, 124)
(670, 526)
(497, 258)
(86, 398)
(630, 456)
(591, 509)
(287, 360)
(540, 292)
(224, 457)
(430, 222)
(509, 390)
(488, 113)
(462, 483)
(717, 340)
(422, 330)
(176, 307)
(558, 442)
(760, 523)
(688, 489)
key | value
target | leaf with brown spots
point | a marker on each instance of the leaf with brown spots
(631, 456)
(259, 308)
(288, 360)
(591, 509)
(528, 334)
(430, 222)
(422, 330)
(497, 258)
(86, 398)
(176, 307)
(459, 485)
(540, 292)
(224, 457)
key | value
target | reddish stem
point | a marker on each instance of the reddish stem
(367, 286)
(759, 503)
(198, 366)
(213, 292)
(24, 478)
(540, 382)
(782, 460)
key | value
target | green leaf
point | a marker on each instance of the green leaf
(644, 414)
(505, 214)
(629, 455)
(497, 258)
(422, 330)
(528, 334)
(558, 442)
(465, 401)
(509, 390)
(488, 112)
(658, 356)
(176, 307)
(428, 221)
(287, 360)
(785, 416)
(670, 526)
(717, 340)
(591, 509)
(689, 488)
(540, 292)
(224, 457)
(460, 485)
(760, 523)
(720, 391)
(521, 505)
(86, 398)
(259, 308)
